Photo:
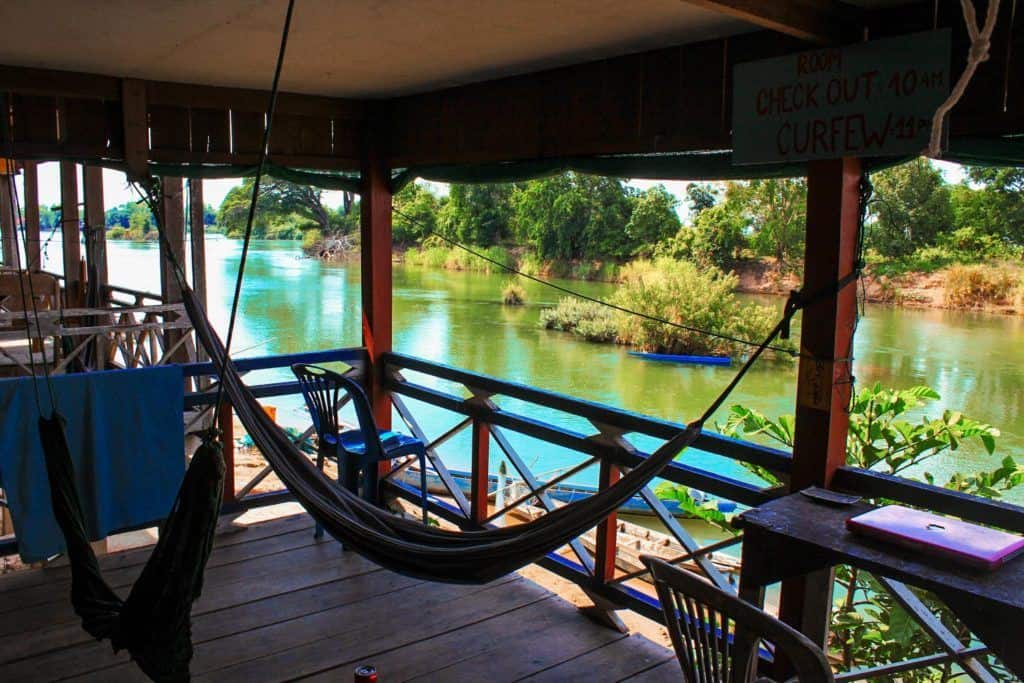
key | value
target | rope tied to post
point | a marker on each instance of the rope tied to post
(981, 44)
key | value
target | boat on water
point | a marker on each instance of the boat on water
(563, 493)
(676, 358)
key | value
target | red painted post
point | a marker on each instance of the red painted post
(375, 233)
(480, 471)
(608, 530)
(225, 420)
(826, 342)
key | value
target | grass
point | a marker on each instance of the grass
(513, 294)
(453, 258)
(979, 285)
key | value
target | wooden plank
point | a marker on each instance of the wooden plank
(252, 582)
(34, 120)
(30, 201)
(210, 132)
(56, 592)
(95, 229)
(669, 672)
(357, 633)
(168, 129)
(506, 647)
(95, 658)
(135, 127)
(172, 249)
(817, 22)
(225, 537)
(617, 660)
(85, 127)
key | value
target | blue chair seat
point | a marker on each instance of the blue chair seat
(355, 450)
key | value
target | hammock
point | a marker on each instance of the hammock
(406, 546)
(154, 623)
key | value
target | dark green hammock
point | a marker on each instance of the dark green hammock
(154, 622)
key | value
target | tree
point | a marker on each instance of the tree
(284, 208)
(140, 221)
(118, 216)
(415, 214)
(775, 211)
(911, 208)
(47, 218)
(702, 196)
(281, 198)
(996, 207)
(653, 218)
(478, 214)
(574, 216)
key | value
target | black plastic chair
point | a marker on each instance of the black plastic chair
(354, 450)
(711, 629)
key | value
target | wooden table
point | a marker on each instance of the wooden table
(794, 535)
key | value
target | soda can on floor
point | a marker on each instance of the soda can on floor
(366, 673)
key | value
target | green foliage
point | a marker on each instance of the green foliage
(587, 319)
(311, 238)
(477, 214)
(117, 233)
(869, 627)
(435, 253)
(285, 210)
(702, 196)
(775, 213)
(119, 216)
(140, 221)
(678, 291)
(652, 219)
(576, 216)
(48, 217)
(911, 208)
(996, 207)
(415, 214)
(715, 239)
(707, 511)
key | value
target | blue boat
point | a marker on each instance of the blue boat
(563, 493)
(675, 358)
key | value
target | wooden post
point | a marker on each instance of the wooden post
(606, 548)
(375, 232)
(198, 237)
(31, 199)
(136, 128)
(480, 471)
(95, 232)
(8, 221)
(70, 217)
(826, 343)
(174, 232)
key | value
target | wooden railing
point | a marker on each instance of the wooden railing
(503, 414)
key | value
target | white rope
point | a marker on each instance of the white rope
(981, 41)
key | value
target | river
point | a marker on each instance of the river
(291, 304)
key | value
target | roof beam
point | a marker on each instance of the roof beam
(816, 21)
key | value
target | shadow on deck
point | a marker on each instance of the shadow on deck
(277, 605)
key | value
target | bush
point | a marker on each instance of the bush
(310, 239)
(592, 321)
(975, 286)
(513, 294)
(117, 234)
(677, 291)
(433, 254)
(683, 293)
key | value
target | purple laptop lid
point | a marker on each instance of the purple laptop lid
(955, 539)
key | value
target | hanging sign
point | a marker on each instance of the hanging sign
(864, 100)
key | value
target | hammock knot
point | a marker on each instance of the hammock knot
(979, 51)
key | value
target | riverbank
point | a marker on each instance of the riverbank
(992, 287)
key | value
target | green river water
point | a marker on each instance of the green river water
(291, 304)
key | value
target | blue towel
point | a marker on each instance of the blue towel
(125, 430)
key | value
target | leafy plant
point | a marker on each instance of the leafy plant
(868, 625)
(707, 511)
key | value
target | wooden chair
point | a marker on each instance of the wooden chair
(354, 450)
(712, 629)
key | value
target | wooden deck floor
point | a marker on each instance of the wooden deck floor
(279, 606)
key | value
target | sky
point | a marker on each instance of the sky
(116, 190)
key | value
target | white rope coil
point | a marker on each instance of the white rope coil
(981, 42)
